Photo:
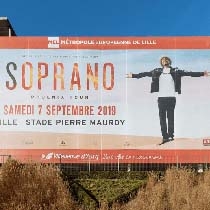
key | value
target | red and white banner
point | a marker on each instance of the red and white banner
(90, 99)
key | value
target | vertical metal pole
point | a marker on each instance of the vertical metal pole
(10, 33)
(60, 162)
(89, 165)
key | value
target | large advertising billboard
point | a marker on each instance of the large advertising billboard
(105, 99)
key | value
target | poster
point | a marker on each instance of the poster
(70, 99)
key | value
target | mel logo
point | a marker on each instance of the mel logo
(53, 42)
(206, 142)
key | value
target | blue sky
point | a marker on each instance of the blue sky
(108, 17)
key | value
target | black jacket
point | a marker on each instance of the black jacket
(176, 74)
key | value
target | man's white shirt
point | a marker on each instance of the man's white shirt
(166, 84)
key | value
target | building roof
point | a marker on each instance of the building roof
(6, 28)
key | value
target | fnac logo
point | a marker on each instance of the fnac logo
(53, 42)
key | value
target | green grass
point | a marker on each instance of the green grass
(111, 190)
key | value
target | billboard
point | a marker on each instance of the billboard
(105, 99)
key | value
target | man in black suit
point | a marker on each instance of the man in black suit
(166, 81)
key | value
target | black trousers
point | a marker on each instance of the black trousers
(166, 107)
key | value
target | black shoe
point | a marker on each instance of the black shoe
(164, 141)
(170, 138)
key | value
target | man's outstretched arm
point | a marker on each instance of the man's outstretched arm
(194, 74)
(139, 75)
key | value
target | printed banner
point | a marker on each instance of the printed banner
(87, 98)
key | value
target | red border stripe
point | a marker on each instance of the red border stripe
(194, 42)
(107, 156)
